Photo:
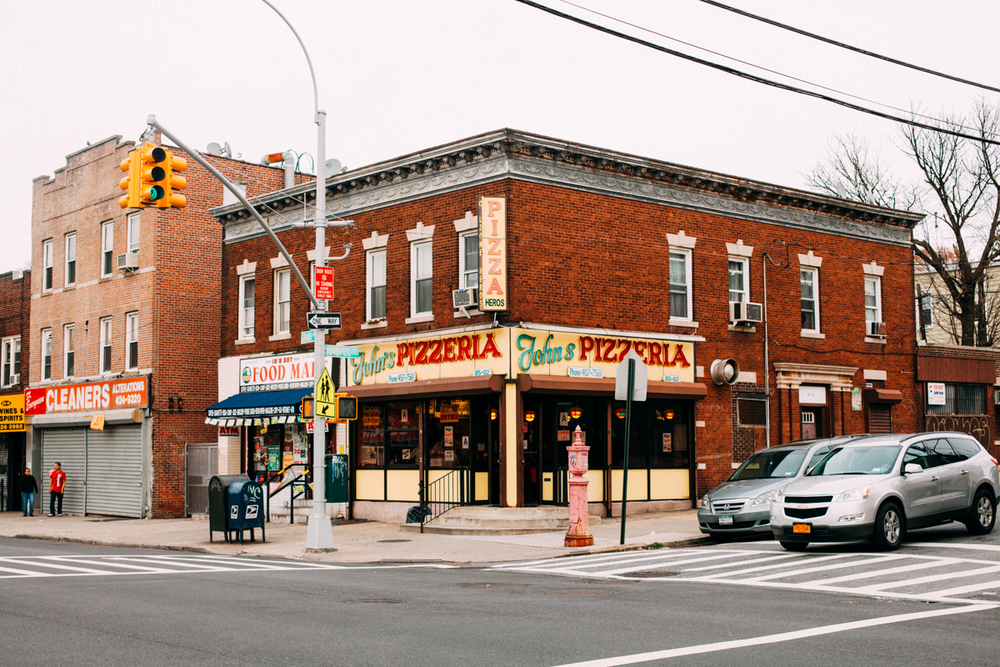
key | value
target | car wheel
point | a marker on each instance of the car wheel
(794, 546)
(888, 527)
(983, 513)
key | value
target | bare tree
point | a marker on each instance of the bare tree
(961, 184)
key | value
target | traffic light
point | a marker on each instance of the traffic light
(157, 180)
(308, 407)
(131, 183)
(173, 182)
(345, 407)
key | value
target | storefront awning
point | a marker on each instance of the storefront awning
(489, 384)
(260, 404)
(883, 395)
(554, 384)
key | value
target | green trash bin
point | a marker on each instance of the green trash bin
(336, 478)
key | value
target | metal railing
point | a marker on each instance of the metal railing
(446, 492)
(301, 478)
(560, 486)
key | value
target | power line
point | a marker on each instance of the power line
(834, 42)
(757, 79)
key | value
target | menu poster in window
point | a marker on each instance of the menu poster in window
(273, 457)
(449, 455)
(564, 419)
(668, 443)
(404, 416)
(481, 446)
(449, 412)
(465, 442)
(449, 436)
(286, 459)
(562, 436)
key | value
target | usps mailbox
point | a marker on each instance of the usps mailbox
(218, 505)
(246, 508)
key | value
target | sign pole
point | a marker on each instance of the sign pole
(628, 433)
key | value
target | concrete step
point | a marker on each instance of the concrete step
(483, 520)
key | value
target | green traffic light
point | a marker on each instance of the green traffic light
(155, 193)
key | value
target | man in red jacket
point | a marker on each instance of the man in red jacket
(58, 482)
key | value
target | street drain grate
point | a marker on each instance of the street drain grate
(374, 602)
(581, 592)
(386, 541)
(650, 575)
(493, 587)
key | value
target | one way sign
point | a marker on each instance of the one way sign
(318, 320)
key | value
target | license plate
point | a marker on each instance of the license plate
(801, 528)
(726, 520)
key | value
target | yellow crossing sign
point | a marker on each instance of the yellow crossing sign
(326, 396)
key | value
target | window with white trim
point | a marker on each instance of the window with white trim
(132, 342)
(739, 279)
(47, 265)
(106, 345)
(247, 311)
(926, 306)
(71, 258)
(282, 301)
(11, 360)
(133, 233)
(809, 290)
(69, 351)
(46, 354)
(680, 284)
(873, 299)
(375, 285)
(421, 278)
(468, 260)
(107, 249)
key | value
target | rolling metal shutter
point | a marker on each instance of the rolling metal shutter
(114, 471)
(68, 446)
(879, 418)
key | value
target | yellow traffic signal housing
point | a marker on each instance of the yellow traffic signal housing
(345, 407)
(308, 407)
(153, 175)
(132, 183)
(173, 182)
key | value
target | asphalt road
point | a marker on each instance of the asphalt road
(68, 604)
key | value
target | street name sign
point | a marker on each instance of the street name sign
(320, 320)
(345, 351)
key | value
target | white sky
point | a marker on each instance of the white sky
(400, 76)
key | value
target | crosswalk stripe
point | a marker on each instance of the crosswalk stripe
(824, 568)
(810, 559)
(746, 562)
(891, 570)
(659, 565)
(22, 573)
(930, 579)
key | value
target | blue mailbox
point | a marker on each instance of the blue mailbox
(246, 508)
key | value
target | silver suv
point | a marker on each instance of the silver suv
(879, 487)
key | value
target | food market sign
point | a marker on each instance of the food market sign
(111, 395)
(279, 372)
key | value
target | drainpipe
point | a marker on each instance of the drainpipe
(767, 367)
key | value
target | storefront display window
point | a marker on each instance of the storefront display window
(449, 433)
(659, 437)
(403, 421)
(371, 449)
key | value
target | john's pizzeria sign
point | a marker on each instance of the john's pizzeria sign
(514, 351)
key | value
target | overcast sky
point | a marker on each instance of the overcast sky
(400, 76)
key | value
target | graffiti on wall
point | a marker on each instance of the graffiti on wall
(978, 426)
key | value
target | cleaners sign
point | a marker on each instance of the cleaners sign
(111, 395)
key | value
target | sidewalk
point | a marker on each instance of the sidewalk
(355, 542)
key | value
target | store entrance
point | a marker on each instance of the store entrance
(549, 426)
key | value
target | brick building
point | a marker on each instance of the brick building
(15, 309)
(729, 290)
(124, 316)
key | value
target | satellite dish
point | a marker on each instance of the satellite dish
(215, 149)
(227, 151)
(333, 166)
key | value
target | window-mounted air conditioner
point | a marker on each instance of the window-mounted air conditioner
(15, 378)
(465, 298)
(742, 312)
(876, 329)
(128, 262)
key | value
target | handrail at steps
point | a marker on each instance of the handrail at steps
(446, 492)
(285, 484)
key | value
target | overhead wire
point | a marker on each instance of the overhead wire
(757, 79)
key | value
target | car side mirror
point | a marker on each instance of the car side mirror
(912, 468)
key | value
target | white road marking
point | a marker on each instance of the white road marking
(891, 570)
(746, 562)
(929, 580)
(807, 559)
(777, 638)
(824, 568)
(953, 545)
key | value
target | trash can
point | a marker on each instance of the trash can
(246, 508)
(336, 478)
(218, 503)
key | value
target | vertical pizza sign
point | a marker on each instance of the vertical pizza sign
(492, 253)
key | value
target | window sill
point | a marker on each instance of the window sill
(813, 334)
(875, 341)
(246, 341)
(742, 328)
(674, 322)
(420, 319)
(470, 311)
(281, 336)
(375, 324)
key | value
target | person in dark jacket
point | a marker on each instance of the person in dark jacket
(28, 490)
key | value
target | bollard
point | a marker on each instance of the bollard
(578, 534)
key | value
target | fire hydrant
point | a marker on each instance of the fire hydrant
(578, 534)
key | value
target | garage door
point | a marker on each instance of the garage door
(67, 446)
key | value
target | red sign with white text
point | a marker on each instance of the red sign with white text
(111, 395)
(324, 283)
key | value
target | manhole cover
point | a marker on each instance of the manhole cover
(605, 582)
(580, 592)
(650, 575)
(374, 602)
(386, 541)
(493, 587)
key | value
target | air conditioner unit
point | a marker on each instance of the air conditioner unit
(465, 298)
(876, 329)
(128, 262)
(742, 312)
(15, 378)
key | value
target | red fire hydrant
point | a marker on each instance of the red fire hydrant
(578, 534)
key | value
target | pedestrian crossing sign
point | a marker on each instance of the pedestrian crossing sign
(326, 396)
